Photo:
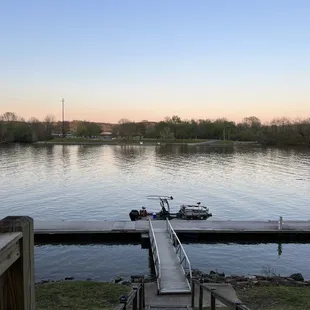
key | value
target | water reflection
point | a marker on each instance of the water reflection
(65, 152)
(199, 162)
(129, 157)
(81, 262)
(129, 152)
(95, 262)
(280, 250)
(49, 156)
(108, 181)
(186, 152)
(87, 152)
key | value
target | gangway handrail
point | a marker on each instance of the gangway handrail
(214, 295)
(155, 252)
(184, 261)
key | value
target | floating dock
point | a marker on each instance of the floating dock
(196, 230)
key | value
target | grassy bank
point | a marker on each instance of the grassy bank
(274, 297)
(85, 141)
(79, 295)
(78, 141)
(99, 295)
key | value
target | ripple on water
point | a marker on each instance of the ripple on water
(106, 182)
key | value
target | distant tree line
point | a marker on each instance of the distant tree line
(280, 131)
(16, 129)
(87, 129)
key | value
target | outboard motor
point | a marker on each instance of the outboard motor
(134, 215)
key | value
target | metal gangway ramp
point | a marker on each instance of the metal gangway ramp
(172, 265)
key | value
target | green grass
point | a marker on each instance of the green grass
(79, 295)
(272, 297)
(105, 296)
(81, 140)
(125, 141)
(175, 140)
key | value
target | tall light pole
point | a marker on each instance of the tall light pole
(63, 117)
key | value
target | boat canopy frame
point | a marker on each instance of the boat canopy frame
(163, 201)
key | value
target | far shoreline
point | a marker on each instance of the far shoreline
(210, 143)
(150, 142)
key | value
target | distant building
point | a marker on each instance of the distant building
(107, 127)
(106, 135)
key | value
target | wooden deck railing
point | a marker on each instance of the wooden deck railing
(17, 263)
(135, 299)
(214, 296)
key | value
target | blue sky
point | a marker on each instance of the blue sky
(151, 59)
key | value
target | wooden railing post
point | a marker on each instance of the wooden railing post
(193, 294)
(135, 299)
(214, 295)
(123, 300)
(143, 292)
(141, 295)
(213, 305)
(213, 300)
(18, 281)
(140, 298)
(200, 296)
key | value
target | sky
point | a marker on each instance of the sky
(137, 59)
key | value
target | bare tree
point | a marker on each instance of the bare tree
(35, 127)
(2, 130)
(9, 117)
(48, 123)
(252, 122)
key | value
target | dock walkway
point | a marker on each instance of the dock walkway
(180, 226)
(171, 276)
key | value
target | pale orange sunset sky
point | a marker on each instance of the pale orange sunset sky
(148, 60)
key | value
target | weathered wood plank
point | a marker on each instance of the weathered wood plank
(7, 239)
(9, 250)
(18, 281)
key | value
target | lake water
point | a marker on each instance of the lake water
(106, 182)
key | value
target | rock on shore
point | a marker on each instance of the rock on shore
(295, 279)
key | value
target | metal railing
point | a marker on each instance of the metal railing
(184, 261)
(214, 296)
(155, 254)
(135, 299)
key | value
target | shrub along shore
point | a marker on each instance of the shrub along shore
(269, 292)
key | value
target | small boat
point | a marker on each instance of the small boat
(186, 212)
